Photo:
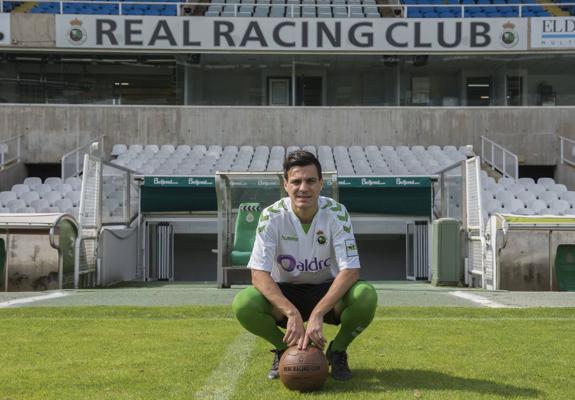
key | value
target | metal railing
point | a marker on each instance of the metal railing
(449, 187)
(100, 206)
(120, 197)
(567, 151)
(294, 10)
(10, 151)
(474, 226)
(499, 158)
(72, 162)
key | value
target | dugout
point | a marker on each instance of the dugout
(38, 251)
(531, 253)
(188, 222)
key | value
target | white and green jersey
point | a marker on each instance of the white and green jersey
(284, 249)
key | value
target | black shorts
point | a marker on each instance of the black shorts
(305, 297)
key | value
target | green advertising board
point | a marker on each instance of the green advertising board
(381, 195)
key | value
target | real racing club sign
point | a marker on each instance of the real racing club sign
(291, 35)
(5, 29)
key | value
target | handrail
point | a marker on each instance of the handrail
(506, 155)
(565, 142)
(398, 10)
(5, 157)
(78, 161)
(443, 198)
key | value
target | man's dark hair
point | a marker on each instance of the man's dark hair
(301, 158)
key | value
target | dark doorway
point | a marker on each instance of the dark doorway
(479, 91)
(309, 91)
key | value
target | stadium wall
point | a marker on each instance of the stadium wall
(50, 131)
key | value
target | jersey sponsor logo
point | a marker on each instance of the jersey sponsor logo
(289, 263)
(350, 248)
(292, 238)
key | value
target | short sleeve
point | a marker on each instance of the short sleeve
(343, 240)
(264, 250)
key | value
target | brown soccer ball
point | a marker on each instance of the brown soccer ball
(303, 370)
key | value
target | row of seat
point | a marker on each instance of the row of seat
(472, 2)
(526, 197)
(294, 10)
(355, 160)
(35, 195)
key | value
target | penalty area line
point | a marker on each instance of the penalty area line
(478, 299)
(221, 384)
(27, 300)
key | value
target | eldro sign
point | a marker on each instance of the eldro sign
(291, 35)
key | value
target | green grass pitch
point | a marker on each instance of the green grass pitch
(203, 353)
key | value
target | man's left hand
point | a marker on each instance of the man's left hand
(313, 333)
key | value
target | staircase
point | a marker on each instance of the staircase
(24, 7)
(555, 11)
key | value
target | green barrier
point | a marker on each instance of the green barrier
(565, 267)
(67, 240)
(445, 252)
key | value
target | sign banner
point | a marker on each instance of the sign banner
(5, 29)
(553, 33)
(179, 181)
(291, 35)
(388, 182)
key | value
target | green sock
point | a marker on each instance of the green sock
(359, 305)
(255, 314)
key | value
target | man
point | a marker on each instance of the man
(305, 267)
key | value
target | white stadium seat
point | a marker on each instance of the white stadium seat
(14, 205)
(561, 206)
(505, 196)
(557, 188)
(548, 197)
(568, 196)
(29, 197)
(526, 196)
(32, 181)
(19, 189)
(52, 197)
(75, 182)
(546, 182)
(513, 206)
(118, 149)
(506, 181)
(526, 181)
(40, 204)
(539, 206)
(53, 181)
(7, 196)
(63, 188)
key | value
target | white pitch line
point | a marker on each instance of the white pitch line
(478, 299)
(33, 299)
(221, 384)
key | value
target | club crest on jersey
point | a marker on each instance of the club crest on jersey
(321, 239)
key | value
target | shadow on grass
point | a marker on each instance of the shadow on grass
(417, 379)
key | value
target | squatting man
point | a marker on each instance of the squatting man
(305, 267)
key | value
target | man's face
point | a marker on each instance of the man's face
(303, 186)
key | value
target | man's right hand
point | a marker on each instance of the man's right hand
(295, 331)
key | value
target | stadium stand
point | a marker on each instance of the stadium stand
(33, 196)
(352, 161)
(525, 196)
(304, 8)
